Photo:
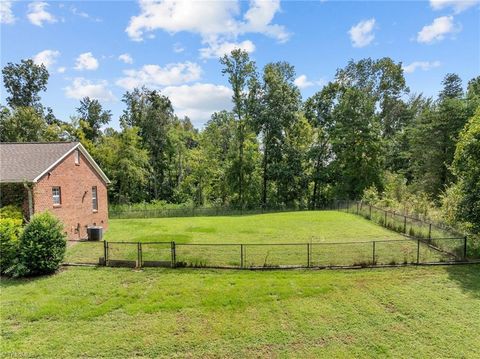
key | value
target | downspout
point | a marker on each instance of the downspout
(30, 199)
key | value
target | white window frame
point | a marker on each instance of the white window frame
(94, 198)
(77, 157)
(57, 197)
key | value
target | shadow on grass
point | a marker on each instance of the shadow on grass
(468, 276)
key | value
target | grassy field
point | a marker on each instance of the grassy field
(285, 227)
(324, 229)
(413, 312)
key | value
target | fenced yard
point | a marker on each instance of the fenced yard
(275, 240)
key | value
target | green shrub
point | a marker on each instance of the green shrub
(12, 212)
(42, 246)
(10, 230)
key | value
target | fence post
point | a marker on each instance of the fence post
(357, 208)
(308, 255)
(139, 255)
(373, 253)
(385, 219)
(430, 231)
(105, 252)
(405, 224)
(418, 251)
(465, 248)
(370, 215)
(241, 256)
(174, 255)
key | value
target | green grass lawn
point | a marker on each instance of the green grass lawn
(414, 312)
(285, 227)
(324, 229)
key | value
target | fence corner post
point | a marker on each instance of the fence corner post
(465, 248)
(405, 224)
(430, 231)
(374, 261)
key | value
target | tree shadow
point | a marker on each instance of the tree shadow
(6, 281)
(468, 276)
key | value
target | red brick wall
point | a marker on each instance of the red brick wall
(76, 183)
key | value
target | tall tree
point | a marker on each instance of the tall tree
(356, 143)
(23, 124)
(241, 72)
(125, 162)
(23, 82)
(466, 167)
(280, 103)
(319, 111)
(434, 136)
(452, 87)
(383, 80)
(152, 113)
(94, 116)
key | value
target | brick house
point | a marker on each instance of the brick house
(60, 177)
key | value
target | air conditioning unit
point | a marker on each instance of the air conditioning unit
(95, 233)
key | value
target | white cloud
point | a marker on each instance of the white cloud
(6, 13)
(219, 22)
(37, 13)
(362, 34)
(61, 70)
(302, 82)
(83, 14)
(126, 58)
(216, 50)
(437, 30)
(46, 57)
(178, 48)
(457, 5)
(81, 87)
(86, 61)
(422, 65)
(155, 76)
(199, 101)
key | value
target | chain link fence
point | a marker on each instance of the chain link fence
(281, 255)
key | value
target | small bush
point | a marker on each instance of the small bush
(12, 212)
(10, 230)
(42, 246)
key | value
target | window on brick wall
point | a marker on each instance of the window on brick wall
(56, 196)
(94, 198)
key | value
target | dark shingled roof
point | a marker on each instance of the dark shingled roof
(26, 161)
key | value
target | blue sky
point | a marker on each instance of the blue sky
(102, 49)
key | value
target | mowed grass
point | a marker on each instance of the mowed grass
(285, 227)
(336, 238)
(410, 312)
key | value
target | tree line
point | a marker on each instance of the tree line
(364, 134)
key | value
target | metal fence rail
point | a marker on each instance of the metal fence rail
(275, 255)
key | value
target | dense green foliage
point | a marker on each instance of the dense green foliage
(467, 168)
(10, 231)
(41, 247)
(422, 312)
(12, 212)
(273, 149)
